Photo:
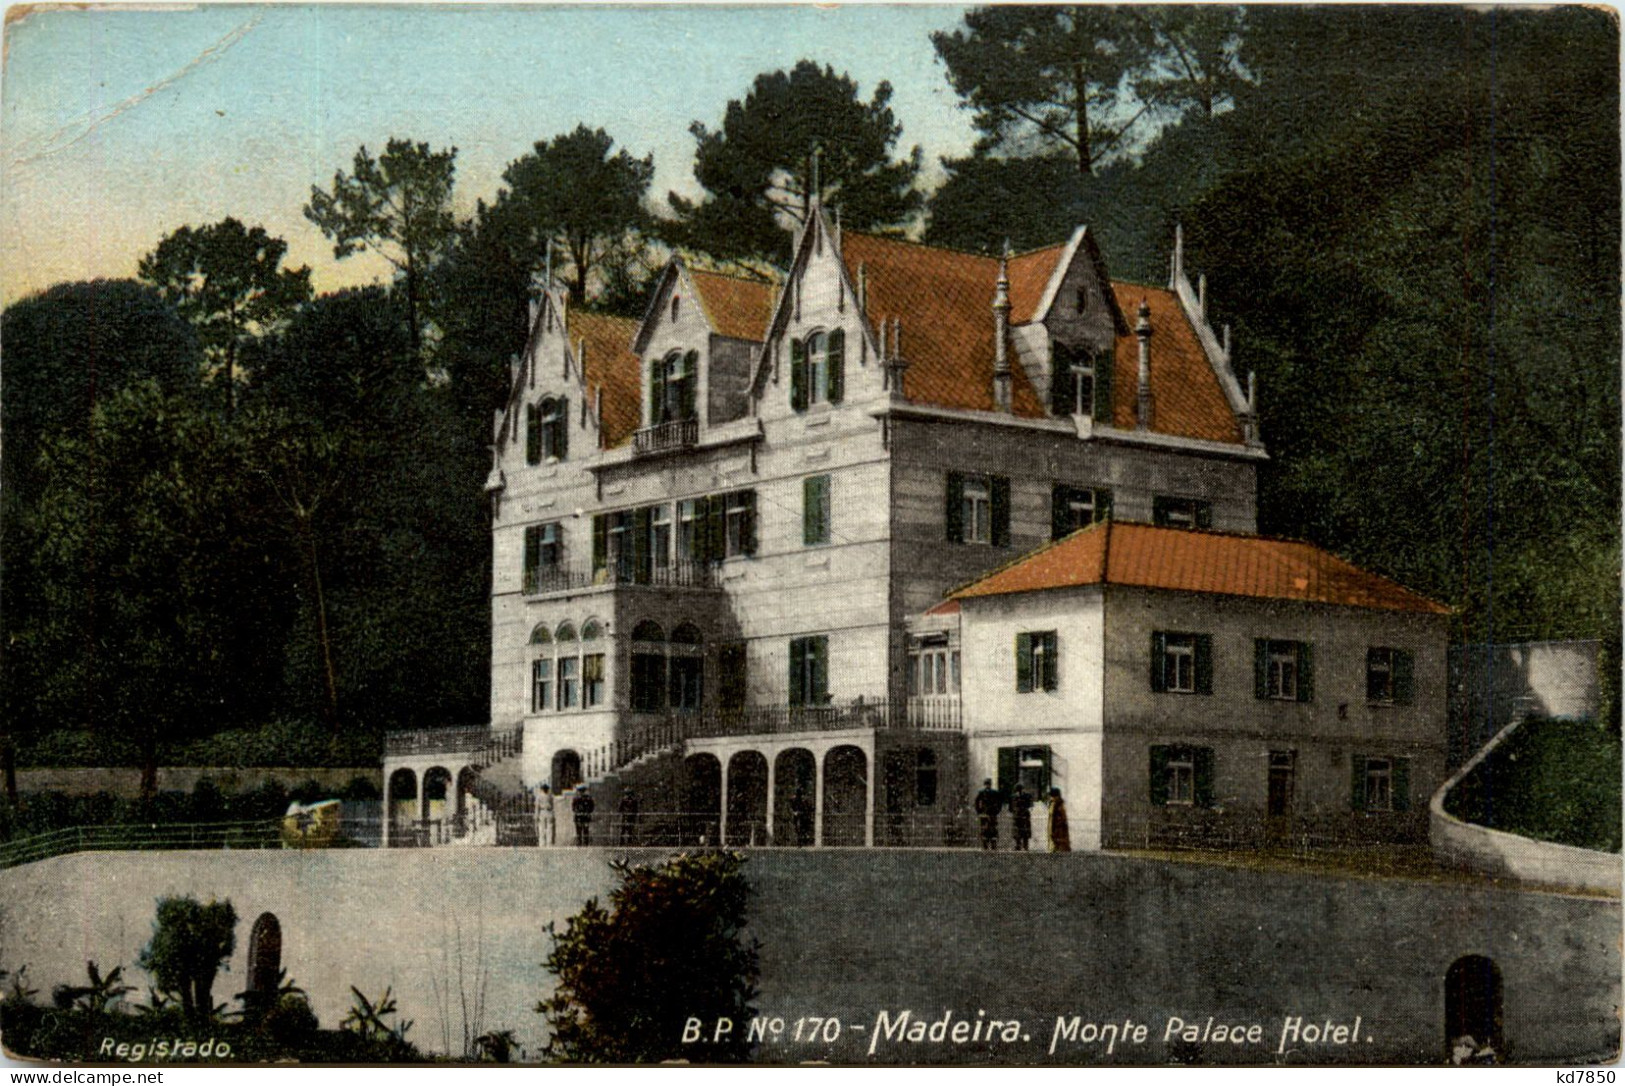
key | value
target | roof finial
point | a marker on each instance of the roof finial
(1178, 270)
(1001, 333)
(1142, 330)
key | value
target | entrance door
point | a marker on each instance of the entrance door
(1283, 770)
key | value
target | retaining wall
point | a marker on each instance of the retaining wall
(125, 781)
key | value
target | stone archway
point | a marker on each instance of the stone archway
(1472, 1009)
(401, 807)
(436, 792)
(265, 954)
(795, 780)
(846, 794)
(566, 771)
(702, 798)
(747, 798)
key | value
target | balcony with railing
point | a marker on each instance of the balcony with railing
(917, 714)
(682, 573)
(666, 436)
(484, 745)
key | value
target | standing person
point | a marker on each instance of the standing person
(582, 807)
(628, 810)
(801, 813)
(547, 827)
(1060, 838)
(1021, 816)
(988, 805)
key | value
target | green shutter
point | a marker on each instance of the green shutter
(1050, 679)
(1261, 668)
(1024, 663)
(563, 451)
(1159, 510)
(747, 530)
(837, 367)
(1061, 391)
(600, 542)
(1203, 770)
(533, 556)
(1404, 678)
(1357, 781)
(533, 434)
(1402, 784)
(1103, 503)
(1001, 511)
(1306, 671)
(1060, 523)
(798, 375)
(1204, 663)
(657, 392)
(815, 510)
(955, 512)
(642, 558)
(716, 527)
(1105, 362)
(691, 385)
(1159, 649)
(798, 671)
(1159, 776)
(818, 656)
(1204, 514)
(1009, 769)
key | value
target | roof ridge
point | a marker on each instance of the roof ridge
(918, 244)
(751, 280)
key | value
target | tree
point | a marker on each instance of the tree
(190, 942)
(573, 191)
(758, 169)
(1194, 57)
(228, 282)
(1050, 76)
(670, 946)
(399, 205)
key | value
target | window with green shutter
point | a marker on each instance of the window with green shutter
(809, 671)
(1283, 670)
(1388, 676)
(1074, 507)
(1037, 664)
(815, 510)
(837, 366)
(798, 375)
(1181, 663)
(1172, 512)
(1181, 776)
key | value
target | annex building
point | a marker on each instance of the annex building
(802, 561)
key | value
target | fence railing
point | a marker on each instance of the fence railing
(142, 837)
(488, 745)
(920, 714)
(678, 434)
(677, 573)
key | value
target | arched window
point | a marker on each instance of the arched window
(591, 630)
(648, 667)
(687, 668)
(592, 665)
(540, 636)
(816, 369)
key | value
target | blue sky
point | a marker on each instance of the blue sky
(118, 125)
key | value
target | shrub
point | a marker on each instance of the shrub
(190, 941)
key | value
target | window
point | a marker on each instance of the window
(1381, 783)
(1036, 662)
(1074, 507)
(739, 533)
(544, 554)
(978, 509)
(660, 536)
(554, 429)
(569, 683)
(672, 381)
(1080, 382)
(1181, 512)
(1081, 300)
(933, 670)
(1283, 670)
(1181, 776)
(541, 685)
(1388, 677)
(1028, 766)
(648, 668)
(815, 510)
(731, 677)
(809, 671)
(592, 680)
(690, 525)
(817, 369)
(925, 777)
(1282, 778)
(1181, 663)
(687, 668)
(612, 535)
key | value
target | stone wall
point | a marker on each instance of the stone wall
(850, 934)
(125, 781)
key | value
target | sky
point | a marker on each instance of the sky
(119, 124)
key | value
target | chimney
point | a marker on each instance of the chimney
(1179, 257)
(1001, 334)
(1142, 331)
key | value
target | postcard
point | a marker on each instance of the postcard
(863, 534)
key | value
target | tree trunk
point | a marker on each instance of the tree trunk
(330, 703)
(412, 306)
(1081, 88)
(203, 1002)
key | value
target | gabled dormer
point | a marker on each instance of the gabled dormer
(698, 340)
(1065, 323)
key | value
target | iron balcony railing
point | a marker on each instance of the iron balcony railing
(679, 434)
(488, 745)
(682, 573)
(921, 714)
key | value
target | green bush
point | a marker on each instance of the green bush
(1552, 780)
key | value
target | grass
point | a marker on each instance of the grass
(1552, 780)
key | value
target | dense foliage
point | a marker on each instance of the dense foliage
(670, 947)
(1553, 780)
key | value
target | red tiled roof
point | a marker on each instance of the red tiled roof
(945, 301)
(1187, 560)
(737, 308)
(612, 366)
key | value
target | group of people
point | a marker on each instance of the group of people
(990, 802)
(582, 806)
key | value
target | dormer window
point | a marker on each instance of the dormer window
(554, 429)
(671, 387)
(817, 369)
(1081, 383)
(1082, 300)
